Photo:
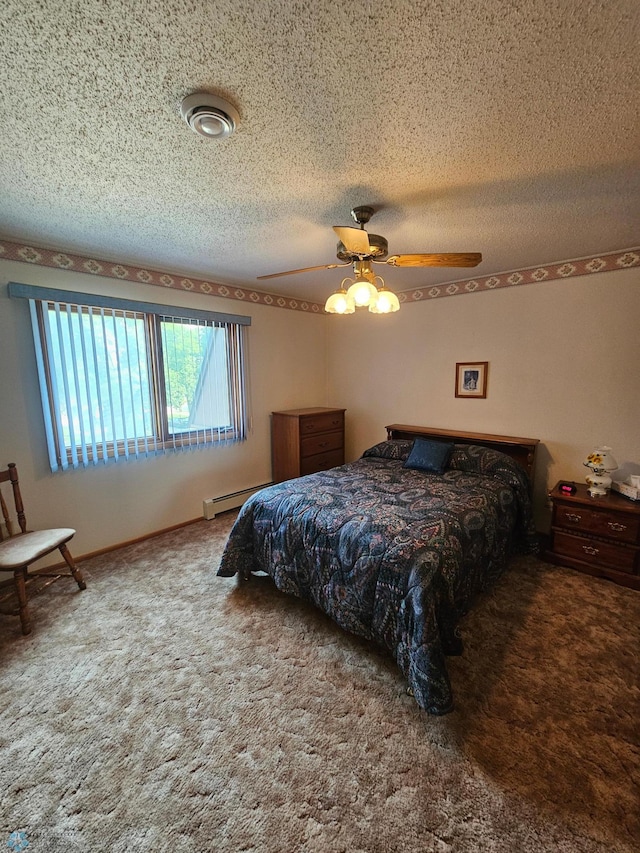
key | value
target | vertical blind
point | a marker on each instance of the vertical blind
(121, 379)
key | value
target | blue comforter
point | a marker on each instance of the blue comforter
(391, 554)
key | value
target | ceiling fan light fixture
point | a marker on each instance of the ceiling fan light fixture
(209, 116)
(362, 292)
(386, 302)
(340, 302)
(362, 249)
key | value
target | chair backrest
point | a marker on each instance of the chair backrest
(9, 527)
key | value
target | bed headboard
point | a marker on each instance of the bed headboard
(523, 450)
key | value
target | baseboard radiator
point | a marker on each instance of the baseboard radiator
(214, 506)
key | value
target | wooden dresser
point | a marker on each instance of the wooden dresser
(600, 536)
(304, 441)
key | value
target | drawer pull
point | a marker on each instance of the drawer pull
(591, 551)
(614, 525)
(323, 444)
(574, 517)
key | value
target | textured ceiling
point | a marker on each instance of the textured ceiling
(501, 126)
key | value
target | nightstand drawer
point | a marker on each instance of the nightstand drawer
(321, 461)
(321, 443)
(322, 423)
(595, 552)
(598, 536)
(599, 522)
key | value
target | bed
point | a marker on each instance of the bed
(396, 554)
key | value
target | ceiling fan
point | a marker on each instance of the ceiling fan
(359, 248)
(357, 245)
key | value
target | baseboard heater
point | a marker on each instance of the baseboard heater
(213, 506)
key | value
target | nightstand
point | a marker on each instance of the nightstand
(599, 536)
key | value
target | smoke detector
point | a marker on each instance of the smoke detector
(209, 116)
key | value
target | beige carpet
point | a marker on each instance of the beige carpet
(165, 709)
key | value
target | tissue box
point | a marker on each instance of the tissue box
(627, 490)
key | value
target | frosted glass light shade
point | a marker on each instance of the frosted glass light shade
(339, 303)
(385, 303)
(362, 292)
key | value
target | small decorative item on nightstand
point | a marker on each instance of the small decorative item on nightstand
(601, 462)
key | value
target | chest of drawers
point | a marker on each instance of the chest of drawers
(305, 441)
(600, 536)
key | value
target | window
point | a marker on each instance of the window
(121, 378)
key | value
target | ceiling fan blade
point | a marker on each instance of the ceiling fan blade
(304, 269)
(460, 259)
(353, 239)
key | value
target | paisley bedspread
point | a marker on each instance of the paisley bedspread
(391, 554)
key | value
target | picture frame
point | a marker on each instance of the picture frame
(471, 379)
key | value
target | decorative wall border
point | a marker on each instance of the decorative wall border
(127, 272)
(532, 275)
(56, 259)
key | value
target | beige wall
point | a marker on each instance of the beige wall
(564, 367)
(113, 503)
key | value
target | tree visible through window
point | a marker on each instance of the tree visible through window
(196, 374)
(117, 381)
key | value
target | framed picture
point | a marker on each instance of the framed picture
(471, 378)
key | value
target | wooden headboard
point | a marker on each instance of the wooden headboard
(523, 450)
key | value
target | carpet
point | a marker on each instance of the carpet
(166, 709)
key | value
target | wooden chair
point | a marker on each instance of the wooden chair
(19, 548)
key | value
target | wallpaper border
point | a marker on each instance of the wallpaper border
(555, 271)
(56, 259)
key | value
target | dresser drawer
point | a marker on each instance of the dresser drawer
(321, 423)
(321, 462)
(599, 522)
(595, 552)
(321, 443)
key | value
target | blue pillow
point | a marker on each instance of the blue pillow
(431, 456)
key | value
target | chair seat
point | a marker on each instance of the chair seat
(25, 547)
(28, 547)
